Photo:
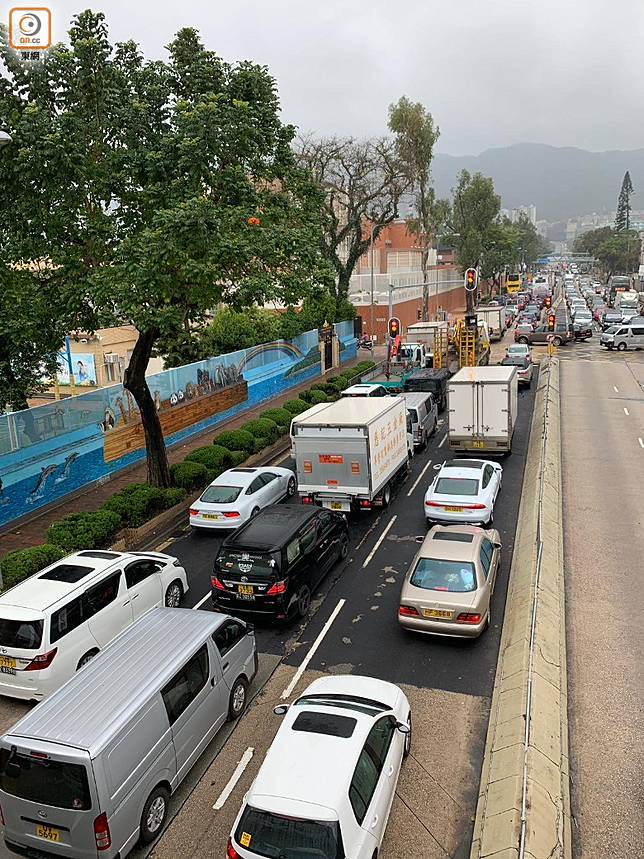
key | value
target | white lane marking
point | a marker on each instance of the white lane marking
(616, 389)
(641, 442)
(201, 602)
(625, 411)
(420, 477)
(239, 769)
(309, 656)
(379, 541)
(443, 440)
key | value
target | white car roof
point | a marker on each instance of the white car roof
(238, 476)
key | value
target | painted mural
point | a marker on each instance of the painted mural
(52, 450)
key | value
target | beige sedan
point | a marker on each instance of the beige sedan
(448, 588)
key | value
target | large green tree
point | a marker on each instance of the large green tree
(623, 215)
(588, 242)
(415, 135)
(475, 210)
(159, 190)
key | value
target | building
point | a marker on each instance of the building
(529, 211)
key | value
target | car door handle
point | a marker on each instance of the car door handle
(135, 597)
(225, 666)
(374, 822)
(127, 602)
(390, 771)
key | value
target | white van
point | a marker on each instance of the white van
(623, 337)
(423, 412)
(55, 621)
(90, 771)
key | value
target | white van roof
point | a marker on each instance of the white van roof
(91, 707)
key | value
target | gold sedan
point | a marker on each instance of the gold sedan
(448, 588)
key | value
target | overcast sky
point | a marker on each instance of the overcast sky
(492, 72)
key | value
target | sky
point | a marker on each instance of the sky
(491, 72)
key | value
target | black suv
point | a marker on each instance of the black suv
(272, 564)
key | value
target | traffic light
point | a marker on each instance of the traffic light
(419, 314)
(470, 280)
(548, 302)
(394, 327)
(551, 322)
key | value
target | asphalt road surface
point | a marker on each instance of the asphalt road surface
(602, 397)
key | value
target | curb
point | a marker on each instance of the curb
(523, 807)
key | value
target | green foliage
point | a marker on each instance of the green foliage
(173, 496)
(237, 439)
(623, 214)
(138, 502)
(213, 456)
(88, 530)
(189, 475)
(318, 397)
(260, 443)
(262, 428)
(237, 457)
(231, 330)
(295, 407)
(475, 210)
(282, 417)
(19, 565)
(589, 242)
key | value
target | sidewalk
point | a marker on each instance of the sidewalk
(34, 531)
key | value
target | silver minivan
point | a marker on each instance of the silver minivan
(423, 412)
(623, 337)
(89, 772)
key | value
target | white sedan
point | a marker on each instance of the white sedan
(464, 492)
(239, 494)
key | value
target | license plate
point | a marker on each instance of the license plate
(210, 516)
(245, 590)
(477, 444)
(7, 665)
(336, 505)
(434, 612)
(48, 833)
(454, 509)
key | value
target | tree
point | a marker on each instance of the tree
(415, 136)
(475, 210)
(362, 182)
(619, 253)
(158, 190)
(588, 242)
(231, 330)
(623, 215)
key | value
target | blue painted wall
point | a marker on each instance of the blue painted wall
(52, 450)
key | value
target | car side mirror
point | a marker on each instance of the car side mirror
(280, 710)
(497, 545)
(403, 728)
(250, 628)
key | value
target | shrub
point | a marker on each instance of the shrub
(338, 384)
(263, 428)
(137, 504)
(333, 398)
(189, 475)
(237, 457)
(318, 397)
(213, 456)
(261, 443)
(89, 530)
(295, 406)
(19, 565)
(237, 439)
(282, 417)
(173, 496)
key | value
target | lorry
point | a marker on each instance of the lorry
(435, 336)
(348, 454)
(433, 381)
(627, 300)
(482, 409)
(494, 318)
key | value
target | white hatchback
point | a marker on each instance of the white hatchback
(328, 780)
(464, 492)
(55, 621)
(239, 494)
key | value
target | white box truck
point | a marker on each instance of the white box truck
(494, 318)
(482, 409)
(347, 454)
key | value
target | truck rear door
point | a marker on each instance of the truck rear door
(336, 464)
(492, 410)
(462, 410)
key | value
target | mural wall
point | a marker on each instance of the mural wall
(51, 450)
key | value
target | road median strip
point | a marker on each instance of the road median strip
(523, 807)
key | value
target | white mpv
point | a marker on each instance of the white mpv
(55, 621)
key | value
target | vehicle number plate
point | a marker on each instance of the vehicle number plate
(47, 833)
(7, 665)
(477, 444)
(434, 612)
(454, 509)
(210, 516)
(336, 505)
(245, 590)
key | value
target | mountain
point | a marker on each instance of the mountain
(561, 181)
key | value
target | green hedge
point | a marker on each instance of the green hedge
(84, 530)
(237, 457)
(189, 475)
(282, 417)
(237, 439)
(261, 443)
(213, 456)
(263, 428)
(19, 565)
(318, 397)
(296, 406)
(138, 502)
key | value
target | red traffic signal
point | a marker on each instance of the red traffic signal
(470, 279)
(551, 322)
(394, 326)
(548, 301)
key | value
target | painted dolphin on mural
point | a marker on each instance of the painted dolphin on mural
(3, 498)
(39, 489)
(66, 466)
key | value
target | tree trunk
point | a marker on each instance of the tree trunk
(342, 292)
(134, 381)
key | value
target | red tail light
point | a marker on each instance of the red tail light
(231, 853)
(38, 663)
(214, 581)
(365, 503)
(277, 588)
(102, 832)
(194, 512)
(306, 499)
(407, 611)
(466, 617)
(231, 514)
(473, 506)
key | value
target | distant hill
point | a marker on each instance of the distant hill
(561, 181)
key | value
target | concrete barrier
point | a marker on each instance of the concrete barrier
(523, 806)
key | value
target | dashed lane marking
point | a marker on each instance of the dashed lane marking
(379, 541)
(309, 656)
(419, 478)
(237, 774)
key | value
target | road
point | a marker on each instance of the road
(603, 480)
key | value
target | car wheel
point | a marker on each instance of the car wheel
(173, 595)
(238, 697)
(82, 662)
(154, 815)
(557, 341)
(523, 340)
(407, 746)
(344, 546)
(386, 496)
(291, 487)
(254, 512)
(303, 601)
(621, 347)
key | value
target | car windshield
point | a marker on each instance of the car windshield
(280, 837)
(44, 781)
(515, 361)
(457, 486)
(221, 494)
(433, 574)
(255, 564)
(21, 634)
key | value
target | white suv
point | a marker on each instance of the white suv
(55, 621)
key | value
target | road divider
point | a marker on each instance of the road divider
(523, 806)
